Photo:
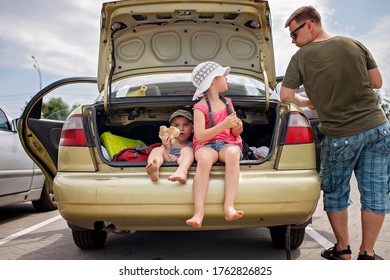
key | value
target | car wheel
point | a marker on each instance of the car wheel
(278, 236)
(89, 239)
(46, 201)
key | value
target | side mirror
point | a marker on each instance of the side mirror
(14, 125)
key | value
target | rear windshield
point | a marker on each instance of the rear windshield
(179, 84)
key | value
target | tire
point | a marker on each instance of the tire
(46, 201)
(89, 239)
(278, 236)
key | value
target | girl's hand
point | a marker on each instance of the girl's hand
(238, 128)
(231, 120)
(238, 124)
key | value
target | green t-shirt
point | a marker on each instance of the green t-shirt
(334, 74)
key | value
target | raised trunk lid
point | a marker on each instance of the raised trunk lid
(151, 37)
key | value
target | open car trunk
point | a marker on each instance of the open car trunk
(140, 120)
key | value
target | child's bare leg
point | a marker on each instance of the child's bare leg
(155, 160)
(152, 170)
(200, 186)
(231, 156)
(185, 161)
(205, 157)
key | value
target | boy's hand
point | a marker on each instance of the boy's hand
(166, 143)
(171, 157)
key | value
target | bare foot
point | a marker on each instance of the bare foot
(195, 221)
(152, 170)
(178, 176)
(232, 214)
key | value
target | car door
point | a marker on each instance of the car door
(39, 132)
(16, 168)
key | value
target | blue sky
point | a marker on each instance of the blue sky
(63, 37)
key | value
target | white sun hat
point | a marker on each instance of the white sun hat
(203, 75)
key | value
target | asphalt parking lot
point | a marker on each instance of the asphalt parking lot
(29, 235)
(26, 235)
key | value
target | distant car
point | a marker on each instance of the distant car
(20, 178)
(147, 52)
(385, 103)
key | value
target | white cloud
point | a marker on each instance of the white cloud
(63, 35)
(66, 33)
(280, 11)
(378, 42)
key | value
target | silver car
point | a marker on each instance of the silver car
(20, 178)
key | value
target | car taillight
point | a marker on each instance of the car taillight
(73, 132)
(298, 129)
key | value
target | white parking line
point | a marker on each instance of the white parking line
(319, 238)
(309, 231)
(27, 230)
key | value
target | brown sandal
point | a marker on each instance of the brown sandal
(333, 254)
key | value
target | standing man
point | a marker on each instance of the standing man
(339, 75)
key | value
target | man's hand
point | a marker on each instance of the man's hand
(289, 95)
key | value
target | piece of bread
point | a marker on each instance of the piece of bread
(172, 132)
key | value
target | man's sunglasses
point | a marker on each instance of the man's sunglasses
(293, 33)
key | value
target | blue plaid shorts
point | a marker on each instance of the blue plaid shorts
(367, 154)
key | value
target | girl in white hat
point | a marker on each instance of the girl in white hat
(216, 137)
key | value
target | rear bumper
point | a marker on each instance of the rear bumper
(130, 201)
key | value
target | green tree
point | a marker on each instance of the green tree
(55, 109)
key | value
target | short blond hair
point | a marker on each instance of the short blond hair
(304, 13)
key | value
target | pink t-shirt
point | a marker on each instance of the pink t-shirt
(226, 135)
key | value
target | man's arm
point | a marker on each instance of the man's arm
(375, 78)
(289, 95)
